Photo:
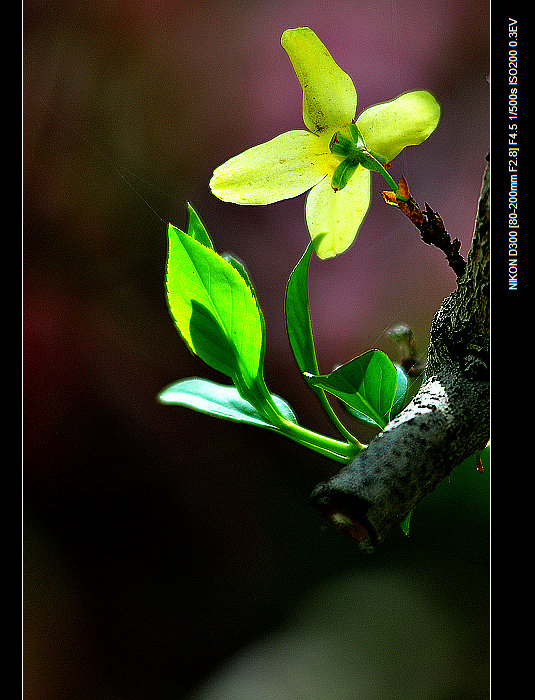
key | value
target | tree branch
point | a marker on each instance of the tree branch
(447, 421)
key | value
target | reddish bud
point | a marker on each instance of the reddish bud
(390, 198)
(403, 188)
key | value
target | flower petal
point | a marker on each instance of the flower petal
(284, 167)
(338, 214)
(329, 96)
(406, 121)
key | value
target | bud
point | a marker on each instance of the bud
(403, 190)
(343, 173)
(390, 198)
(357, 136)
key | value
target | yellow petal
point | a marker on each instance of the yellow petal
(338, 214)
(329, 96)
(406, 121)
(284, 167)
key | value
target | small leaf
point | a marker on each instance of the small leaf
(390, 198)
(239, 266)
(401, 391)
(298, 324)
(398, 403)
(367, 384)
(214, 308)
(196, 228)
(405, 523)
(360, 416)
(219, 400)
(403, 188)
(299, 328)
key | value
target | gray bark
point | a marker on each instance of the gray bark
(447, 421)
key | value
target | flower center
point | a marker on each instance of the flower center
(354, 152)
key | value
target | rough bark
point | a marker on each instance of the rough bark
(447, 421)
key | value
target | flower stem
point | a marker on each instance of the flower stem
(378, 167)
(390, 180)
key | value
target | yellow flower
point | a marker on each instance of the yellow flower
(300, 160)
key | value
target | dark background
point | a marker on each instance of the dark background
(163, 547)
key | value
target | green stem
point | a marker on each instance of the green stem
(334, 418)
(260, 397)
(335, 449)
(389, 179)
(365, 157)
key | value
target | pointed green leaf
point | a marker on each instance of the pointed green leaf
(214, 308)
(298, 324)
(239, 266)
(221, 401)
(299, 328)
(405, 524)
(360, 416)
(401, 391)
(367, 384)
(196, 228)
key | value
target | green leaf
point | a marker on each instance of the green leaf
(299, 328)
(367, 384)
(210, 341)
(196, 228)
(221, 401)
(239, 266)
(214, 309)
(401, 391)
(298, 324)
(360, 416)
(405, 524)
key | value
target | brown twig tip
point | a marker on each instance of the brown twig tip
(390, 198)
(430, 225)
(434, 233)
(403, 188)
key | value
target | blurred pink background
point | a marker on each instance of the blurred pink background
(160, 542)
